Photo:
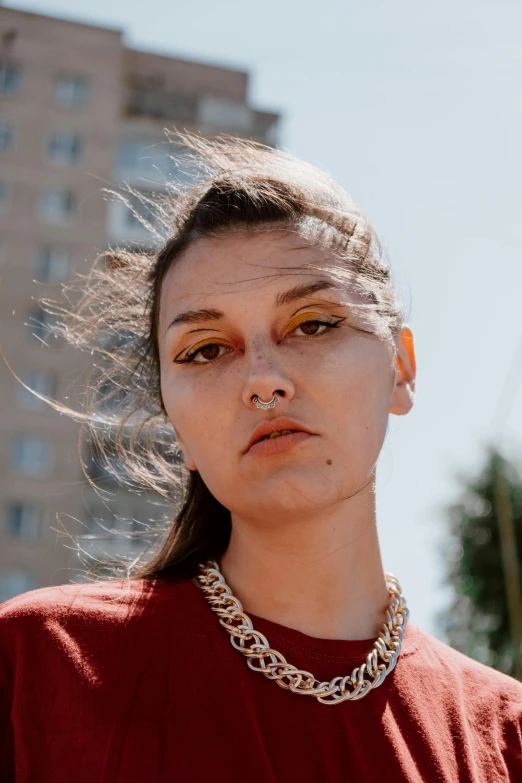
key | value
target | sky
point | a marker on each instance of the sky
(416, 109)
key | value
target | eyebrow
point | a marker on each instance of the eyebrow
(299, 291)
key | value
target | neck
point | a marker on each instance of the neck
(318, 573)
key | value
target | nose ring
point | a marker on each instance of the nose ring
(265, 405)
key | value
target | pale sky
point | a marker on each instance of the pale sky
(416, 109)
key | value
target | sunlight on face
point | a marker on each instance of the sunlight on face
(243, 316)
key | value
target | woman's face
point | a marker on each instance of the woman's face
(248, 322)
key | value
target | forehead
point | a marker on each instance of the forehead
(241, 264)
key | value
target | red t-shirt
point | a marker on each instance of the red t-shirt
(116, 683)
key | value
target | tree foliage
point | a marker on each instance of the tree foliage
(477, 622)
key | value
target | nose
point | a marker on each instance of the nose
(265, 378)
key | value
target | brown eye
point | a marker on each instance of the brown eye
(210, 352)
(310, 327)
(205, 354)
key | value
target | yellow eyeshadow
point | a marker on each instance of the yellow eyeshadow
(203, 343)
(294, 323)
(303, 317)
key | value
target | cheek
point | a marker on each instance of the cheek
(197, 409)
(179, 405)
(360, 373)
(357, 392)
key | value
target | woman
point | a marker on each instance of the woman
(265, 335)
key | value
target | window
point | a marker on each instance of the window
(129, 155)
(143, 159)
(23, 521)
(65, 147)
(9, 78)
(140, 159)
(31, 456)
(43, 324)
(52, 264)
(112, 528)
(6, 135)
(124, 226)
(57, 205)
(71, 91)
(104, 466)
(14, 581)
(4, 195)
(43, 382)
(139, 212)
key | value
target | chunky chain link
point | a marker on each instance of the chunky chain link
(262, 658)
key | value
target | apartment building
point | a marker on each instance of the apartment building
(79, 111)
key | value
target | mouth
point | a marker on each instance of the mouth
(275, 444)
(277, 434)
(282, 431)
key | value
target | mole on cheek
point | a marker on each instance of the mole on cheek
(328, 461)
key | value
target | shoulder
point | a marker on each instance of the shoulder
(109, 602)
(49, 602)
(88, 622)
(438, 667)
(109, 598)
(469, 705)
(81, 607)
(441, 655)
(37, 616)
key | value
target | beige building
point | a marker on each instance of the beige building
(78, 111)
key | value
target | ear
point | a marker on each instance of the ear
(187, 459)
(405, 373)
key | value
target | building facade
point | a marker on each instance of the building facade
(79, 111)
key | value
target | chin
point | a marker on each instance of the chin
(298, 488)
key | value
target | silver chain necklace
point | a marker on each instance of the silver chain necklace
(262, 658)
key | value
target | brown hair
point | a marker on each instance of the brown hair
(238, 186)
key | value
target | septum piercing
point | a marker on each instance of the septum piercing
(265, 405)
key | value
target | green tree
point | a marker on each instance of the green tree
(480, 621)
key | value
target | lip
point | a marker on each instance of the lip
(283, 441)
(276, 445)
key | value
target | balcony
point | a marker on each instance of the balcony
(207, 113)
(143, 102)
(217, 115)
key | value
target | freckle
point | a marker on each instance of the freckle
(328, 461)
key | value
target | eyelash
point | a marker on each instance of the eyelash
(189, 358)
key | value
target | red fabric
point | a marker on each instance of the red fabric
(116, 683)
